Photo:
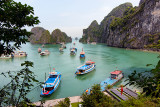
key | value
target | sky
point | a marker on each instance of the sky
(71, 16)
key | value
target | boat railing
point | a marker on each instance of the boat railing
(80, 66)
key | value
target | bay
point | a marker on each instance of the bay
(107, 59)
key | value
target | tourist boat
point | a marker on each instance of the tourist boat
(63, 46)
(82, 54)
(39, 50)
(51, 83)
(43, 45)
(73, 51)
(115, 77)
(93, 43)
(5, 56)
(86, 68)
(60, 49)
(46, 52)
(19, 54)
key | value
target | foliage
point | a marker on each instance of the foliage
(15, 92)
(75, 104)
(14, 16)
(141, 102)
(96, 98)
(108, 86)
(149, 81)
(64, 103)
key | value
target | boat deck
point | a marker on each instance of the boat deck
(50, 80)
(106, 82)
(84, 67)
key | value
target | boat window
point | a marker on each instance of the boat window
(49, 88)
(113, 76)
(81, 70)
(53, 76)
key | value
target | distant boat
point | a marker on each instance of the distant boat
(46, 52)
(60, 49)
(115, 77)
(63, 46)
(73, 51)
(5, 56)
(86, 68)
(19, 54)
(43, 45)
(39, 50)
(93, 43)
(82, 54)
(51, 83)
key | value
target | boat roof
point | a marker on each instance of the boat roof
(54, 73)
(116, 72)
(82, 52)
(90, 62)
(84, 67)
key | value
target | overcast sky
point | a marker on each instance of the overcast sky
(72, 16)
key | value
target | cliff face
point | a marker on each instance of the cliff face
(95, 32)
(42, 36)
(136, 28)
(139, 29)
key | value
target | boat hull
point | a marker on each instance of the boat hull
(55, 87)
(86, 71)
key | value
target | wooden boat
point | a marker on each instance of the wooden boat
(86, 68)
(60, 49)
(19, 54)
(39, 50)
(5, 56)
(46, 52)
(115, 77)
(82, 54)
(73, 51)
(63, 46)
(51, 83)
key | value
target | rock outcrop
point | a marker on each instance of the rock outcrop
(42, 36)
(135, 28)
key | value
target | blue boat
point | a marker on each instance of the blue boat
(86, 68)
(115, 77)
(51, 83)
(82, 54)
(73, 51)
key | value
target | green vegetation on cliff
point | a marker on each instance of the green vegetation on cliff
(42, 36)
(95, 32)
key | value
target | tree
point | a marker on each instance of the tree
(97, 98)
(149, 81)
(13, 18)
(64, 103)
(14, 93)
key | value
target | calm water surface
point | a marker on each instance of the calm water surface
(106, 58)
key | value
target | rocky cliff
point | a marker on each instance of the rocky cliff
(43, 36)
(136, 28)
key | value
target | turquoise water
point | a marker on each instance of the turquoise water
(106, 58)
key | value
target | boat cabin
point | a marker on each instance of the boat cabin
(116, 74)
(89, 62)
